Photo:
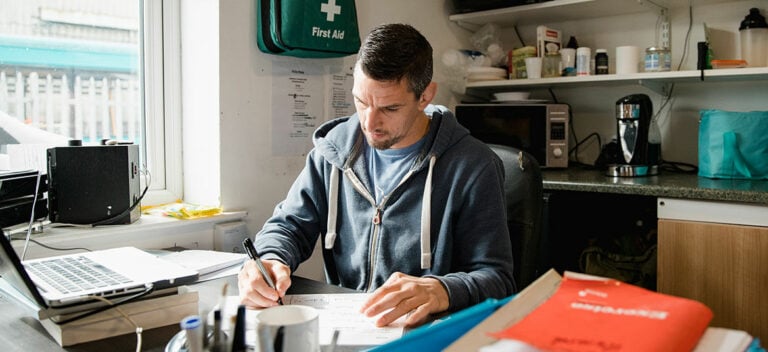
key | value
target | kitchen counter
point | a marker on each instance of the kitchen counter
(666, 184)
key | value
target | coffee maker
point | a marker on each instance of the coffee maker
(637, 154)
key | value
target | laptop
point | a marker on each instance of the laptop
(53, 282)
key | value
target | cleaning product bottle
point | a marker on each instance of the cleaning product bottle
(753, 34)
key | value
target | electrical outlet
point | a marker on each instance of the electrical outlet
(229, 236)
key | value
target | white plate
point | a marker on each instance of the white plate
(487, 71)
(473, 78)
(527, 101)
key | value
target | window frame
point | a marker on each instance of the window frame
(161, 101)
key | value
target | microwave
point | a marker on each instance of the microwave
(539, 129)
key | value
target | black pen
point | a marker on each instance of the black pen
(248, 245)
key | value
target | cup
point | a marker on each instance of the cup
(568, 61)
(627, 59)
(533, 67)
(288, 328)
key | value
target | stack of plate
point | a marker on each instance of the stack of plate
(486, 74)
(515, 97)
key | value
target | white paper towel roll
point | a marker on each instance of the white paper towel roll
(627, 59)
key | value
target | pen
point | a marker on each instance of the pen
(248, 245)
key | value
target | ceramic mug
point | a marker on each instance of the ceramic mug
(288, 328)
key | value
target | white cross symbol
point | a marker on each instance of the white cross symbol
(331, 9)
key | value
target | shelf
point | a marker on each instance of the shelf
(565, 10)
(652, 80)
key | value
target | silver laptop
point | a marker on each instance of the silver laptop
(73, 279)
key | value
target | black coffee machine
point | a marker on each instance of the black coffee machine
(637, 154)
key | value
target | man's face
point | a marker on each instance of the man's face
(390, 115)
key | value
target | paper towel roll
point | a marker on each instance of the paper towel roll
(627, 59)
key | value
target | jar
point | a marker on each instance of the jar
(601, 62)
(551, 65)
(657, 59)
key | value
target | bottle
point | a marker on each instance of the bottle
(753, 34)
(572, 43)
(583, 58)
(601, 62)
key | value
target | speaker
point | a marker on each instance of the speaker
(94, 185)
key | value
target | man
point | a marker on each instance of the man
(407, 204)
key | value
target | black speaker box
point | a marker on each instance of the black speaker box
(94, 185)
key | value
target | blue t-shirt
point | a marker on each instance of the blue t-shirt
(388, 167)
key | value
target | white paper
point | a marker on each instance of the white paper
(298, 104)
(341, 311)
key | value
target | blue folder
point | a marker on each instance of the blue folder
(441, 333)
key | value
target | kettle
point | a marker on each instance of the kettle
(637, 154)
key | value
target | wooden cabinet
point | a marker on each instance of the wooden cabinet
(724, 266)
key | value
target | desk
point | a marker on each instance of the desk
(20, 331)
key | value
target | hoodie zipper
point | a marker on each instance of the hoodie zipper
(376, 220)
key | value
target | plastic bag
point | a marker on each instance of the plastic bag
(733, 145)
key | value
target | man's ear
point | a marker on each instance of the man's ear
(428, 95)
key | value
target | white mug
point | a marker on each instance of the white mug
(288, 328)
(533, 67)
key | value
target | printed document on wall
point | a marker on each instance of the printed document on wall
(298, 104)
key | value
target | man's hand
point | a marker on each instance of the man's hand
(254, 291)
(403, 294)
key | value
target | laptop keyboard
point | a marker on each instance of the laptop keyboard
(75, 274)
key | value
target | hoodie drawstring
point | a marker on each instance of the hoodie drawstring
(426, 209)
(333, 206)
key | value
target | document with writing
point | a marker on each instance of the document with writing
(341, 311)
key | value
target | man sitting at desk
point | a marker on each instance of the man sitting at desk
(409, 206)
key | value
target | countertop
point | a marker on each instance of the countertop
(666, 184)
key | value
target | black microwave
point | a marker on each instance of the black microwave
(539, 129)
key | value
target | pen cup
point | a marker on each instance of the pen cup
(288, 328)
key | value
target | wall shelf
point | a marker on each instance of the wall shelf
(656, 81)
(565, 10)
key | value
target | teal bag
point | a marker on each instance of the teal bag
(307, 28)
(733, 145)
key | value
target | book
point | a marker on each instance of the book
(547, 40)
(588, 313)
(148, 314)
(553, 310)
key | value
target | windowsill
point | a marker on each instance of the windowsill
(149, 232)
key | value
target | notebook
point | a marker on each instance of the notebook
(130, 272)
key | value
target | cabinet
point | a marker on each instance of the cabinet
(565, 10)
(722, 265)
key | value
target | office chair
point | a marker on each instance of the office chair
(523, 194)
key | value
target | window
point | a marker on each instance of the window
(91, 70)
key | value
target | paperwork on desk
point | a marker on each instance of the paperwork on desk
(337, 311)
(209, 264)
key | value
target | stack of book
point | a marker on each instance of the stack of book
(163, 308)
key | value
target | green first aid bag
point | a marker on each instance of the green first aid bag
(733, 145)
(308, 28)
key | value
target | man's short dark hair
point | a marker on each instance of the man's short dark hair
(392, 52)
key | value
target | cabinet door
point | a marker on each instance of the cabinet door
(722, 266)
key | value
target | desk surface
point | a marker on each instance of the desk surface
(666, 184)
(20, 331)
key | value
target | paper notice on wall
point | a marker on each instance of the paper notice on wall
(298, 104)
(341, 102)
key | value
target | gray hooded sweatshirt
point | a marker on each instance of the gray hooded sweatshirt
(445, 219)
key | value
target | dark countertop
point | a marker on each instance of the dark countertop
(666, 184)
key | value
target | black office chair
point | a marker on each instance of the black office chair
(523, 190)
